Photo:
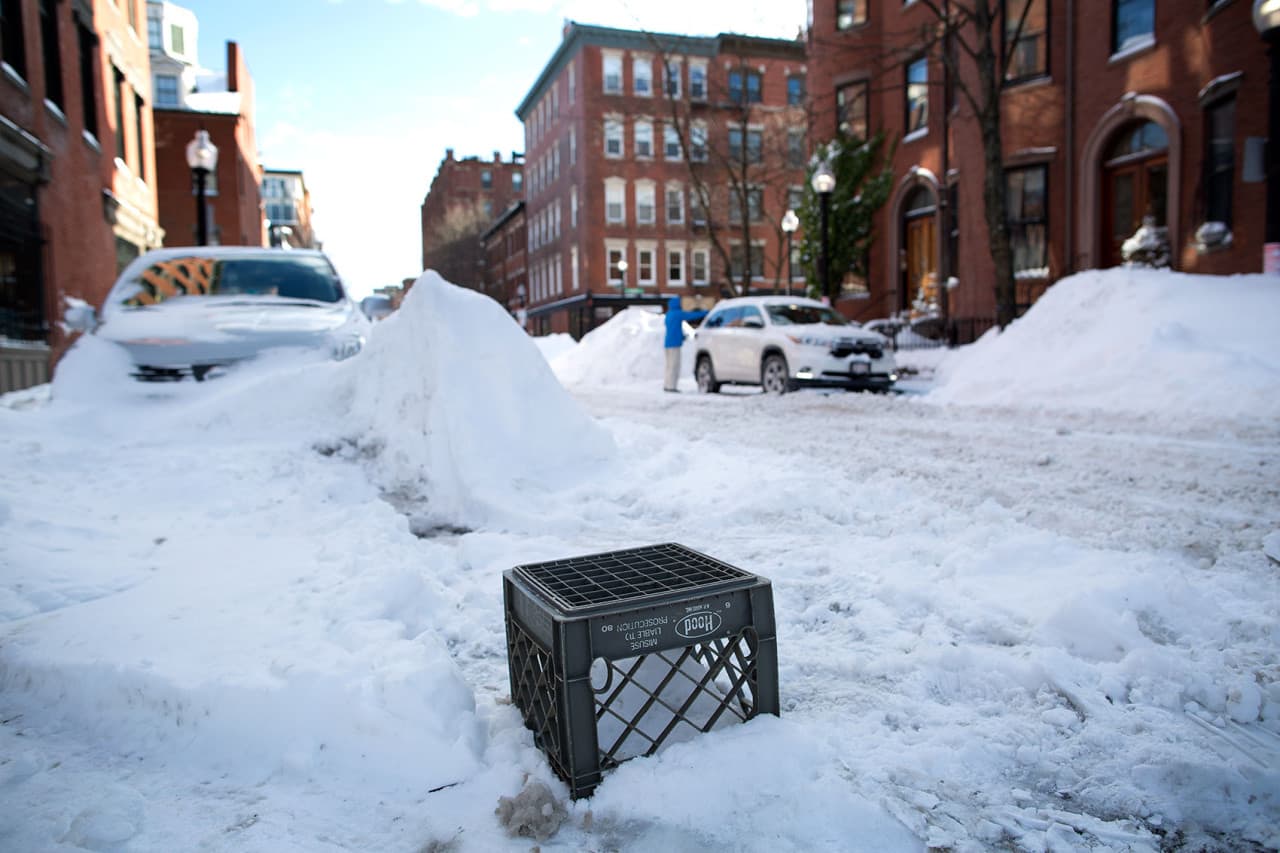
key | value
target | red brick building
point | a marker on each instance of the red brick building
(224, 106)
(505, 274)
(464, 198)
(77, 167)
(1112, 109)
(287, 207)
(642, 151)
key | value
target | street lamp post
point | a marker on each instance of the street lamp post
(823, 183)
(790, 222)
(202, 157)
(1266, 18)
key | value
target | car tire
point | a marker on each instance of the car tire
(775, 378)
(706, 376)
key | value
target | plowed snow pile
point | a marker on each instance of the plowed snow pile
(625, 350)
(1131, 340)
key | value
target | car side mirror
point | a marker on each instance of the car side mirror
(753, 323)
(376, 307)
(80, 317)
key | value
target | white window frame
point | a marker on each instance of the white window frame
(693, 92)
(674, 190)
(670, 133)
(675, 249)
(649, 248)
(610, 58)
(642, 70)
(672, 72)
(615, 131)
(698, 134)
(610, 247)
(573, 83)
(615, 193)
(646, 192)
(704, 252)
(573, 206)
(573, 145)
(573, 261)
(642, 133)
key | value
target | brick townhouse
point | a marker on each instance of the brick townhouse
(78, 195)
(465, 196)
(1112, 110)
(505, 275)
(287, 207)
(190, 98)
(642, 152)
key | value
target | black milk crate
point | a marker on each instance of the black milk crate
(612, 655)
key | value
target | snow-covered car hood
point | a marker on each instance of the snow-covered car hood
(222, 329)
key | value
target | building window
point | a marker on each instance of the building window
(698, 142)
(697, 211)
(642, 75)
(573, 145)
(700, 261)
(177, 39)
(1028, 221)
(612, 138)
(486, 179)
(644, 139)
(737, 260)
(517, 182)
(917, 101)
(644, 264)
(138, 106)
(670, 142)
(795, 147)
(615, 201)
(755, 203)
(646, 202)
(675, 267)
(851, 109)
(754, 152)
(155, 34)
(166, 90)
(850, 13)
(117, 90)
(698, 81)
(795, 90)
(1219, 160)
(88, 91)
(573, 88)
(1133, 24)
(671, 79)
(13, 48)
(1026, 42)
(675, 204)
(616, 256)
(612, 74)
(795, 197)
(744, 87)
(53, 55)
(573, 206)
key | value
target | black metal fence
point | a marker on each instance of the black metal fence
(936, 333)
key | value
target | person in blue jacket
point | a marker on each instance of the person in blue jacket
(676, 318)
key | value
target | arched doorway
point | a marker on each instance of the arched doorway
(920, 249)
(1135, 184)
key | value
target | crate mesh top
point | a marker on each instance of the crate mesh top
(623, 576)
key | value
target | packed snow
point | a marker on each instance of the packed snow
(1034, 608)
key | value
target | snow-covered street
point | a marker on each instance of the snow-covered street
(1015, 610)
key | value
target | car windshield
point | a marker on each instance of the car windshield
(804, 315)
(284, 275)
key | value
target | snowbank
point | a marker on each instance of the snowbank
(554, 345)
(625, 350)
(1132, 340)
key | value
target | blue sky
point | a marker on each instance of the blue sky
(364, 96)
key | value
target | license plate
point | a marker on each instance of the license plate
(859, 368)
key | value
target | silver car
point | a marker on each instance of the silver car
(783, 342)
(191, 312)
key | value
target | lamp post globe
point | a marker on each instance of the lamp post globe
(824, 183)
(1266, 19)
(790, 222)
(202, 157)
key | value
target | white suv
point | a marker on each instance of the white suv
(783, 342)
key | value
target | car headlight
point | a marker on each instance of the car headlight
(345, 348)
(810, 341)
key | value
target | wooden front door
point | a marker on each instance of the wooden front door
(922, 263)
(1130, 192)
